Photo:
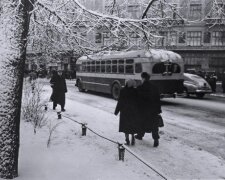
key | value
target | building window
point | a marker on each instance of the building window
(195, 11)
(106, 38)
(174, 11)
(218, 10)
(193, 60)
(133, 10)
(182, 37)
(218, 38)
(173, 39)
(98, 38)
(194, 38)
(163, 40)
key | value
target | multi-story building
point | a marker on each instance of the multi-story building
(199, 36)
(202, 43)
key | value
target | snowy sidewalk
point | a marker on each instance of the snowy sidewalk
(72, 156)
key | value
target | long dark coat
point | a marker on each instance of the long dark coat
(127, 106)
(58, 84)
(223, 83)
(149, 105)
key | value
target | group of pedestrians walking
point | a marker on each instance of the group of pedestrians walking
(139, 110)
(139, 107)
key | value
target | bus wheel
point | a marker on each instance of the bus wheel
(80, 88)
(115, 91)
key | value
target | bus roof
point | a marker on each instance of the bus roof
(158, 55)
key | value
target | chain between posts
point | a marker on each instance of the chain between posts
(121, 147)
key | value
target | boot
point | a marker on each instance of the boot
(133, 140)
(138, 137)
(127, 141)
(156, 143)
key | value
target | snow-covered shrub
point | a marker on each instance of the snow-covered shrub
(33, 106)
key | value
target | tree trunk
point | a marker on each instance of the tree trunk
(14, 26)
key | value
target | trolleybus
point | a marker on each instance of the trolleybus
(107, 72)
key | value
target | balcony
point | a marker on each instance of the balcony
(193, 48)
(215, 21)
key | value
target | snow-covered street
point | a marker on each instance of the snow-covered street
(191, 145)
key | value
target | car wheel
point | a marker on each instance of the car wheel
(200, 95)
(186, 94)
(116, 91)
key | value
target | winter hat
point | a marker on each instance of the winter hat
(131, 83)
(145, 75)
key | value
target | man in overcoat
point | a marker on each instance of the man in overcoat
(149, 108)
(223, 82)
(58, 84)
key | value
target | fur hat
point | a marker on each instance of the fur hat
(145, 75)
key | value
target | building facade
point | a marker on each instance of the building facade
(202, 44)
(199, 37)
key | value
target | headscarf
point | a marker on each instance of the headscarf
(131, 83)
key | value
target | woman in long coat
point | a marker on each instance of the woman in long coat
(58, 84)
(127, 106)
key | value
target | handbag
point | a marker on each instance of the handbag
(160, 121)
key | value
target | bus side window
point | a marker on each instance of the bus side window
(138, 68)
(83, 66)
(93, 66)
(79, 67)
(121, 66)
(175, 68)
(114, 66)
(97, 66)
(108, 66)
(129, 61)
(129, 69)
(159, 68)
(103, 66)
(129, 66)
(88, 67)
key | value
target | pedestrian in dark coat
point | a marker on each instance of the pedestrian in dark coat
(149, 108)
(223, 82)
(127, 106)
(58, 84)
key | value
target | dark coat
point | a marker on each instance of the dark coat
(223, 84)
(59, 88)
(149, 105)
(127, 106)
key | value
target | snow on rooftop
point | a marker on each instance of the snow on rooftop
(154, 54)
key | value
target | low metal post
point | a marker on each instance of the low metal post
(121, 150)
(59, 115)
(84, 129)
